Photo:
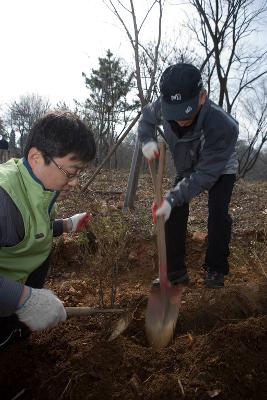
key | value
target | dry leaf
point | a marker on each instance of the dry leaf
(121, 325)
(136, 384)
(190, 338)
(214, 393)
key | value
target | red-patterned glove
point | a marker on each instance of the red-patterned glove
(164, 210)
(78, 222)
(150, 150)
(154, 209)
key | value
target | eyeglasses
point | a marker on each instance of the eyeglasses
(66, 173)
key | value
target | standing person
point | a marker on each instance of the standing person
(58, 148)
(4, 149)
(202, 139)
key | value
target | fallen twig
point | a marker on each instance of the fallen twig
(259, 263)
(181, 387)
(19, 394)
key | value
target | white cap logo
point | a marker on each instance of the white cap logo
(188, 109)
(177, 97)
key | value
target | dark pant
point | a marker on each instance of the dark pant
(35, 280)
(219, 230)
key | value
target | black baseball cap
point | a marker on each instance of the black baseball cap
(180, 85)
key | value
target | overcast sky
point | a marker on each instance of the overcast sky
(47, 44)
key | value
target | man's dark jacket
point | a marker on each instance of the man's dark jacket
(201, 154)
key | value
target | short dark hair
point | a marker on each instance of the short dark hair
(59, 133)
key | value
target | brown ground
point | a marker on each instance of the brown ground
(220, 344)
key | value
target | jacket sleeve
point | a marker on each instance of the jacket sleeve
(57, 227)
(10, 293)
(11, 222)
(149, 120)
(11, 233)
(219, 145)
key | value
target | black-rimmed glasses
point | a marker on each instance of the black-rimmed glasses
(68, 174)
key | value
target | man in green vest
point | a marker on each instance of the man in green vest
(58, 148)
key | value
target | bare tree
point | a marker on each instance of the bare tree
(223, 29)
(146, 77)
(170, 52)
(2, 126)
(123, 10)
(233, 65)
(256, 128)
(23, 113)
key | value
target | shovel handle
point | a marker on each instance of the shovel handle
(153, 173)
(157, 178)
(162, 156)
(78, 311)
(160, 221)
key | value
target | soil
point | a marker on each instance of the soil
(219, 349)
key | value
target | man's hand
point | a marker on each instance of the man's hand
(164, 210)
(150, 150)
(41, 309)
(78, 222)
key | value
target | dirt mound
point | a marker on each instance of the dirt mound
(75, 361)
(220, 344)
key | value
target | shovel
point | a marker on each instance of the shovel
(163, 302)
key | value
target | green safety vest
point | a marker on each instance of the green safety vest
(33, 202)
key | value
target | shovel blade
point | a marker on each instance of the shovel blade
(161, 315)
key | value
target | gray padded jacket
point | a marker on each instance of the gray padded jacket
(201, 155)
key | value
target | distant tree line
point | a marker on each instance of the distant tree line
(234, 70)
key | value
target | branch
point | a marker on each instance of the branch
(155, 64)
(111, 151)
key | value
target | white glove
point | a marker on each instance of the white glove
(78, 222)
(164, 210)
(42, 309)
(150, 150)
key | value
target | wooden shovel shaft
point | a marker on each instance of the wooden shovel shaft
(76, 311)
(164, 302)
(157, 178)
(160, 220)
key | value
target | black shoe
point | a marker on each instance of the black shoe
(214, 280)
(175, 279)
